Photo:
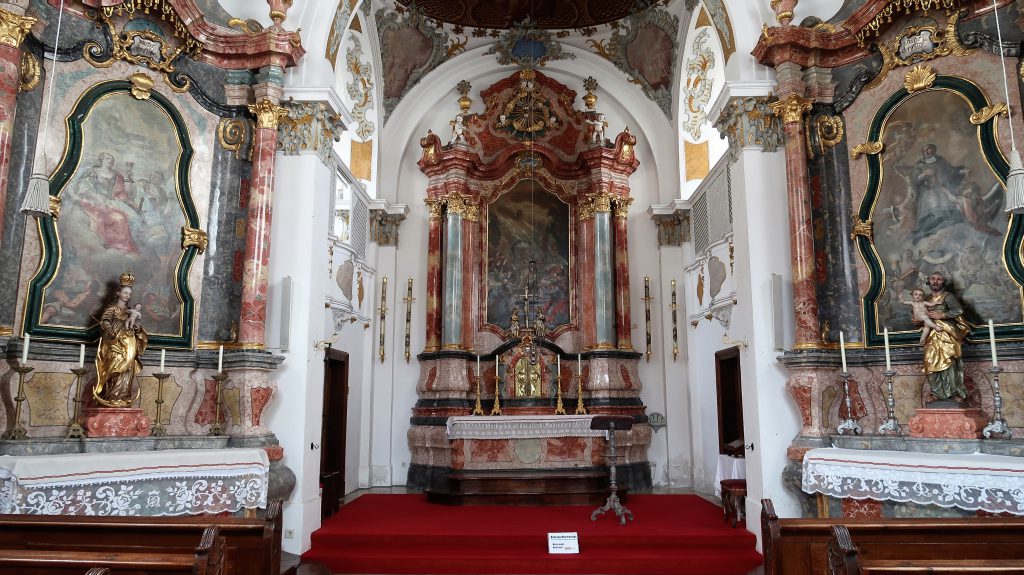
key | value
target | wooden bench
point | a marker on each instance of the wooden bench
(844, 559)
(252, 546)
(205, 559)
(800, 546)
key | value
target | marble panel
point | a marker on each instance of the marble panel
(48, 396)
(490, 450)
(563, 449)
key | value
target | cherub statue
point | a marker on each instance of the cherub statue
(513, 327)
(919, 312)
(597, 125)
(458, 130)
(134, 317)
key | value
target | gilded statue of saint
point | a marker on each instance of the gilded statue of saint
(942, 346)
(121, 344)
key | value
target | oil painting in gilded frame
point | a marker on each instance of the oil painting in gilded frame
(124, 199)
(936, 202)
(528, 223)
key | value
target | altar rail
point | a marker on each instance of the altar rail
(800, 546)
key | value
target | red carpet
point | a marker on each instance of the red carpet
(670, 535)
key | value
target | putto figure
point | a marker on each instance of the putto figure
(919, 312)
(121, 344)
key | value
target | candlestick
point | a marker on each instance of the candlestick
(158, 426)
(998, 425)
(842, 349)
(75, 429)
(847, 423)
(163, 356)
(81, 355)
(219, 379)
(885, 335)
(24, 350)
(220, 359)
(890, 423)
(992, 343)
(559, 406)
(19, 431)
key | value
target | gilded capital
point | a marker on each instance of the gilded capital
(13, 28)
(621, 206)
(435, 205)
(791, 108)
(268, 114)
(602, 202)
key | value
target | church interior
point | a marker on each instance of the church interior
(767, 255)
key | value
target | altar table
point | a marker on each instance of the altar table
(167, 482)
(976, 481)
(521, 427)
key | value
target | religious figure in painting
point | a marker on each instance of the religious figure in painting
(942, 348)
(104, 196)
(121, 344)
(935, 183)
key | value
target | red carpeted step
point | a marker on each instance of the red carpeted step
(672, 534)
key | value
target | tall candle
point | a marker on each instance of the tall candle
(842, 349)
(992, 342)
(163, 356)
(496, 366)
(81, 355)
(579, 365)
(220, 358)
(24, 350)
(885, 334)
(559, 372)
(478, 366)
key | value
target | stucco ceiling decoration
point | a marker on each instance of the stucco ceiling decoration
(549, 14)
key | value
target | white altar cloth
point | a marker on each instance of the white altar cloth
(993, 483)
(729, 468)
(521, 427)
(165, 482)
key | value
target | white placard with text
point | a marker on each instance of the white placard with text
(563, 542)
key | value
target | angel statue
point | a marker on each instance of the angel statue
(121, 344)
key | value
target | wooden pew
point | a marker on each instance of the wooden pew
(800, 546)
(206, 559)
(252, 546)
(844, 559)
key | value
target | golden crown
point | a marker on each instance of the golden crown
(127, 279)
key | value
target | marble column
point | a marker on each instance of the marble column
(13, 29)
(470, 275)
(252, 324)
(585, 263)
(604, 275)
(622, 316)
(451, 325)
(792, 109)
(433, 323)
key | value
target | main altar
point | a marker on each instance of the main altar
(528, 303)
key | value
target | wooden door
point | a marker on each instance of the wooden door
(730, 402)
(332, 430)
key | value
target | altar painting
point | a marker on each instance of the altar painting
(121, 210)
(940, 208)
(524, 225)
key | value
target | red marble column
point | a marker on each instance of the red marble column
(623, 331)
(12, 31)
(805, 298)
(470, 276)
(252, 324)
(433, 339)
(585, 263)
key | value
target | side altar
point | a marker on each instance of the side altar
(528, 316)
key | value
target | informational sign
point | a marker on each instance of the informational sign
(563, 542)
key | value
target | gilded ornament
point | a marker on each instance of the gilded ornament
(142, 48)
(55, 207)
(13, 28)
(989, 112)
(435, 206)
(249, 26)
(862, 228)
(268, 114)
(465, 102)
(231, 135)
(142, 86)
(621, 206)
(30, 72)
(602, 202)
(528, 113)
(700, 288)
(167, 12)
(791, 109)
(895, 7)
(587, 207)
(919, 78)
(429, 148)
(867, 148)
(194, 237)
(590, 99)
(919, 44)
(830, 131)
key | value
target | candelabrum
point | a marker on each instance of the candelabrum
(75, 429)
(478, 409)
(19, 431)
(848, 423)
(559, 407)
(998, 425)
(219, 379)
(159, 428)
(580, 409)
(496, 409)
(890, 424)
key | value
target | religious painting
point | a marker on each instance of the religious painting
(938, 206)
(528, 224)
(410, 48)
(650, 55)
(124, 204)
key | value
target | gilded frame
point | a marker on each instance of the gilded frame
(1011, 247)
(50, 242)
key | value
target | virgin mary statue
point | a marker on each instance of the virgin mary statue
(121, 344)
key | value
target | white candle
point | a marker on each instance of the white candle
(496, 366)
(478, 366)
(220, 359)
(24, 350)
(579, 365)
(842, 349)
(885, 334)
(163, 356)
(992, 342)
(81, 355)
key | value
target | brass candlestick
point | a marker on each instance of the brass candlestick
(19, 431)
(217, 428)
(580, 409)
(496, 409)
(159, 428)
(559, 408)
(75, 429)
(478, 409)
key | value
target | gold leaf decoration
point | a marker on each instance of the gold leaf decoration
(987, 113)
(867, 148)
(919, 78)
